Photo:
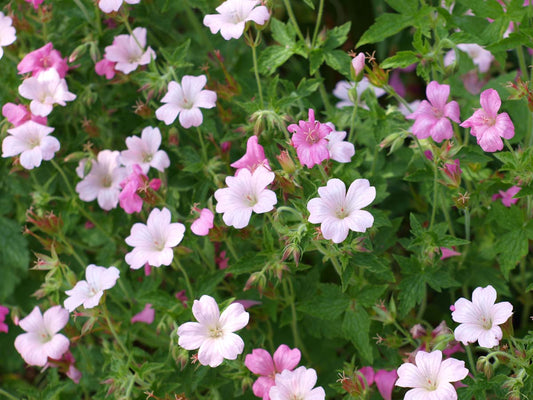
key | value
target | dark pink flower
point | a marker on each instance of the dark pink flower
(35, 4)
(368, 374)
(17, 114)
(254, 157)
(105, 67)
(309, 140)
(3, 312)
(43, 59)
(146, 316)
(261, 363)
(432, 118)
(447, 253)
(182, 296)
(204, 223)
(66, 365)
(507, 196)
(385, 382)
(136, 182)
(487, 125)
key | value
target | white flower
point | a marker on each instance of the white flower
(339, 212)
(127, 51)
(480, 318)
(297, 384)
(145, 152)
(246, 192)
(109, 6)
(186, 100)
(343, 87)
(481, 57)
(90, 291)
(339, 149)
(45, 90)
(32, 142)
(7, 32)
(233, 15)
(153, 241)
(103, 181)
(213, 333)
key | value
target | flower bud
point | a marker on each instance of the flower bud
(358, 64)
(286, 162)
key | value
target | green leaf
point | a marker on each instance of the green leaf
(512, 246)
(339, 61)
(440, 279)
(401, 59)
(272, 57)
(14, 257)
(508, 218)
(316, 58)
(282, 33)
(328, 303)
(309, 3)
(404, 6)
(375, 266)
(386, 25)
(514, 40)
(411, 292)
(337, 36)
(356, 328)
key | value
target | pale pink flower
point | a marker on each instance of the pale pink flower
(385, 382)
(153, 241)
(43, 59)
(447, 253)
(204, 223)
(105, 67)
(254, 156)
(342, 88)
(185, 100)
(339, 212)
(45, 90)
(89, 291)
(7, 33)
(146, 316)
(482, 58)
(213, 333)
(339, 149)
(433, 118)
(298, 384)
(128, 52)
(145, 152)
(109, 6)
(17, 114)
(430, 378)
(245, 193)
(309, 140)
(41, 339)
(358, 63)
(233, 15)
(32, 141)
(480, 318)
(507, 196)
(487, 125)
(103, 180)
(260, 362)
(136, 182)
(3, 313)
(35, 4)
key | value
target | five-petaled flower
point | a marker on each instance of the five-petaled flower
(128, 51)
(145, 152)
(213, 333)
(309, 140)
(298, 384)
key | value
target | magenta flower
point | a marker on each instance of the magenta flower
(185, 100)
(254, 156)
(233, 15)
(447, 253)
(339, 149)
(298, 384)
(145, 152)
(153, 241)
(135, 183)
(507, 196)
(146, 316)
(17, 114)
(65, 364)
(480, 318)
(367, 378)
(109, 6)
(41, 339)
(128, 51)
(36, 4)
(32, 141)
(309, 140)
(487, 125)
(246, 192)
(90, 291)
(433, 118)
(385, 382)
(7, 32)
(204, 223)
(105, 67)
(339, 212)
(213, 333)
(3, 313)
(43, 59)
(430, 378)
(260, 362)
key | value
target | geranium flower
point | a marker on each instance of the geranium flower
(135, 183)
(32, 142)
(153, 241)
(146, 316)
(43, 59)
(109, 6)
(3, 313)
(254, 156)
(90, 291)
(260, 362)
(433, 118)
(487, 125)
(17, 114)
(144, 151)
(447, 253)
(204, 223)
(339, 149)
(127, 51)
(186, 100)
(41, 339)
(507, 196)
(480, 318)
(309, 140)
(430, 378)
(45, 90)
(297, 384)
(385, 382)
(105, 67)
(213, 333)
(342, 88)
(246, 192)
(7, 33)
(233, 15)
(482, 58)
(339, 212)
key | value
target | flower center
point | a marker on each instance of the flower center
(159, 244)
(486, 323)
(431, 384)
(490, 121)
(215, 332)
(187, 104)
(45, 337)
(147, 157)
(34, 142)
(341, 212)
(312, 137)
(107, 181)
(251, 199)
(438, 112)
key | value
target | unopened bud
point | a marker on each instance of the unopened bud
(417, 331)
(358, 64)
(378, 77)
(286, 162)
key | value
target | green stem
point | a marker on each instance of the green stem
(406, 334)
(65, 179)
(447, 217)
(390, 90)
(256, 69)
(435, 192)
(467, 224)
(229, 243)
(522, 62)
(470, 359)
(351, 136)
(289, 295)
(125, 17)
(8, 395)
(112, 329)
(187, 281)
(318, 20)
(202, 144)
(323, 92)
(293, 19)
